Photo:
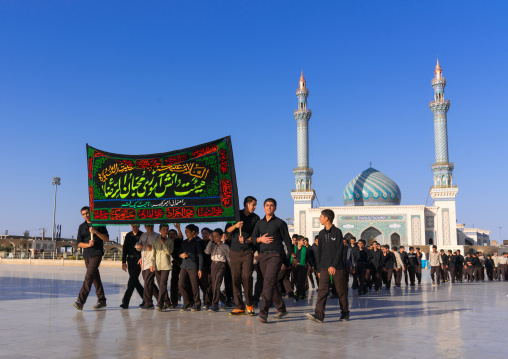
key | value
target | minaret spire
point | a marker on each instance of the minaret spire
(303, 174)
(442, 168)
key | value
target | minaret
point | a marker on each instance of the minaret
(304, 195)
(443, 191)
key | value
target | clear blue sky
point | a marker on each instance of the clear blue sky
(143, 77)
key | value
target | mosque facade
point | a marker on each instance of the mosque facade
(372, 209)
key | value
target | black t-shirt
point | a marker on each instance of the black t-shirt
(129, 246)
(84, 237)
(249, 222)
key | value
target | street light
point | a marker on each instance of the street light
(56, 183)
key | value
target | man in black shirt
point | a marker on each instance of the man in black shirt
(205, 282)
(362, 268)
(93, 252)
(332, 268)
(241, 256)
(388, 262)
(404, 259)
(130, 258)
(451, 265)
(444, 269)
(375, 266)
(459, 266)
(412, 265)
(271, 233)
(354, 252)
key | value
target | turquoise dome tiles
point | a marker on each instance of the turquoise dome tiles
(371, 188)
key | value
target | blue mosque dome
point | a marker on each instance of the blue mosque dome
(371, 188)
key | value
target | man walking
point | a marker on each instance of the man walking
(145, 247)
(436, 265)
(93, 250)
(331, 266)
(271, 233)
(130, 259)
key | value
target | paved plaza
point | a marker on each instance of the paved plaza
(39, 321)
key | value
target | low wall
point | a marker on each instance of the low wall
(57, 262)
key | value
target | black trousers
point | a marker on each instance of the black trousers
(241, 264)
(387, 277)
(437, 272)
(205, 283)
(285, 283)
(270, 264)
(412, 274)
(376, 275)
(451, 269)
(418, 272)
(173, 288)
(162, 280)
(150, 289)
(339, 282)
(218, 269)
(188, 285)
(92, 276)
(300, 273)
(363, 274)
(134, 271)
(228, 284)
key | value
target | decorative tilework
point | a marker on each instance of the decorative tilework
(315, 222)
(446, 227)
(415, 230)
(429, 222)
(302, 223)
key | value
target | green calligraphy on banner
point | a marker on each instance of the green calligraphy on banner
(195, 184)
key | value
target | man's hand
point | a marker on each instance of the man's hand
(331, 271)
(152, 269)
(177, 226)
(403, 268)
(239, 224)
(396, 269)
(200, 273)
(240, 238)
(183, 255)
(140, 262)
(265, 239)
(138, 246)
(91, 243)
(319, 275)
(92, 230)
(124, 267)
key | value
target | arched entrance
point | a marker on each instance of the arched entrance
(371, 234)
(395, 239)
(431, 241)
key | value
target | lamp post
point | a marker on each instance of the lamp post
(56, 183)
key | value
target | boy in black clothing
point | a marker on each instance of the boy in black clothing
(388, 263)
(331, 264)
(300, 267)
(191, 253)
(413, 263)
(363, 267)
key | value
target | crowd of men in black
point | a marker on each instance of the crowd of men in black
(284, 266)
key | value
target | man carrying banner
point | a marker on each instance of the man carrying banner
(242, 256)
(91, 239)
(271, 233)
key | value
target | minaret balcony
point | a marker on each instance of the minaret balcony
(440, 105)
(303, 113)
(441, 80)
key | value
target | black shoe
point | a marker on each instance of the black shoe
(78, 305)
(196, 308)
(412, 284)
(124, 306)
(185, 307)
(344, 317)
(146, 306)
(263, 318)
(313, 317)
(229, 304)
(99, 305)
(142, 304)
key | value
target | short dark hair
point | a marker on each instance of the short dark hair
(172, 230)
(411, 248)
(206, 229)
(361, 240)
(386, 246)
(328, 213)
(374, 242)
(218, 230)
(352, 238)
(163, 225)
(294, 236)
(248, 200)
(450, 251)
(192, 227)
(270, 200)
(316, 237)
(401, 247)
(84, 209)
(394, 248)
(434, 246)
(417, 248)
